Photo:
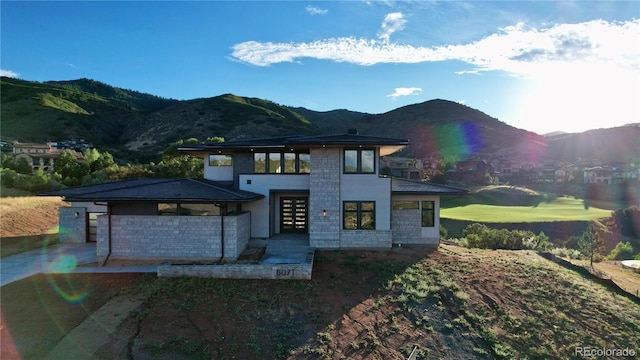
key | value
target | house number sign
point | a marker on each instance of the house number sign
(284, 272)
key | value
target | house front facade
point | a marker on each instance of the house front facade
(327, 187)
(324, 188)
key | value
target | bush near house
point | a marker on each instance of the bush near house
(480, 236)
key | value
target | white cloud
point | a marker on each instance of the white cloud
(316, 11)
(513, 49)
(405, 92)
(8, 73)
(392, 22)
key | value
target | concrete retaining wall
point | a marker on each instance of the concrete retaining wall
(239, 271)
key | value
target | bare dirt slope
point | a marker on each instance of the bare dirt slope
(453, 303)
(29, 215)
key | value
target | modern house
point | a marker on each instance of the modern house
(327, 189)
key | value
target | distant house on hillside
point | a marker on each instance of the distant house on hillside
(402, 167)
(325, 189)
(41, 156)
(471, 172)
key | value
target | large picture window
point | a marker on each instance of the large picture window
(220, 160)
(281, 163)
(428, 214)
(359, 215)
(359, 161)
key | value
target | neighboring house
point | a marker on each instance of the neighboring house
(327, 189)
(41, 156)
(597, 175)
(472, 172)
(402, 167)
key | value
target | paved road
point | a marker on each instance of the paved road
(61, 258)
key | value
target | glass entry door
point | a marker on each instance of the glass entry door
(293, 214)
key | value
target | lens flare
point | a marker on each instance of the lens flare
(57, 262)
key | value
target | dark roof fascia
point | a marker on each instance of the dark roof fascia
(101, 192)
(163, 200)
(346, 140)
(296, 142)
(445, 189)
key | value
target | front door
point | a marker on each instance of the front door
(293, 214)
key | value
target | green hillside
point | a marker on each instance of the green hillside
(134, 126)
(137, 127)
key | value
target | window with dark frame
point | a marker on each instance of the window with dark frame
(428, 214)
(259, 163)
(359, 161)
(359, 215)
(220, 160)
(281, 163)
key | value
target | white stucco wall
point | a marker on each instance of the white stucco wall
(361, 187)
(265, 184)
(218, 173)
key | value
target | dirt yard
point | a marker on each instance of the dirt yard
(30, 215)
(453, 303)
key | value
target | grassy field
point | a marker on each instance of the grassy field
(504, 204)
(559, 209)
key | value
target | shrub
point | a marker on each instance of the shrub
(567, 253)
(443, 232)
(622, 251)
(480, 236)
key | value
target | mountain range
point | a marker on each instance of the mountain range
(137, 127)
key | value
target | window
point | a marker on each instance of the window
(359, 215)
(281, 163)
(259, 163)
(304, 163)
(428, 214)
(359, 161)
(289, 163)
(275, 163)
(220, 160)
(180, 209)
(406, 205)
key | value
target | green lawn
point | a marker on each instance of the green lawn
(559, 209)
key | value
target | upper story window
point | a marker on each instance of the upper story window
(220, 160)
(359, 161)
(281, 163)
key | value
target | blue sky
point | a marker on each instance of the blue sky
(540, 66)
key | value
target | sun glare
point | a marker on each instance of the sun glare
(578, 97)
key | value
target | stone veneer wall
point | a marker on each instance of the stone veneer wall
(237, 232)
(172, 237)
(324, 194)
(406, 226)
(73, 229)
(365, 239)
